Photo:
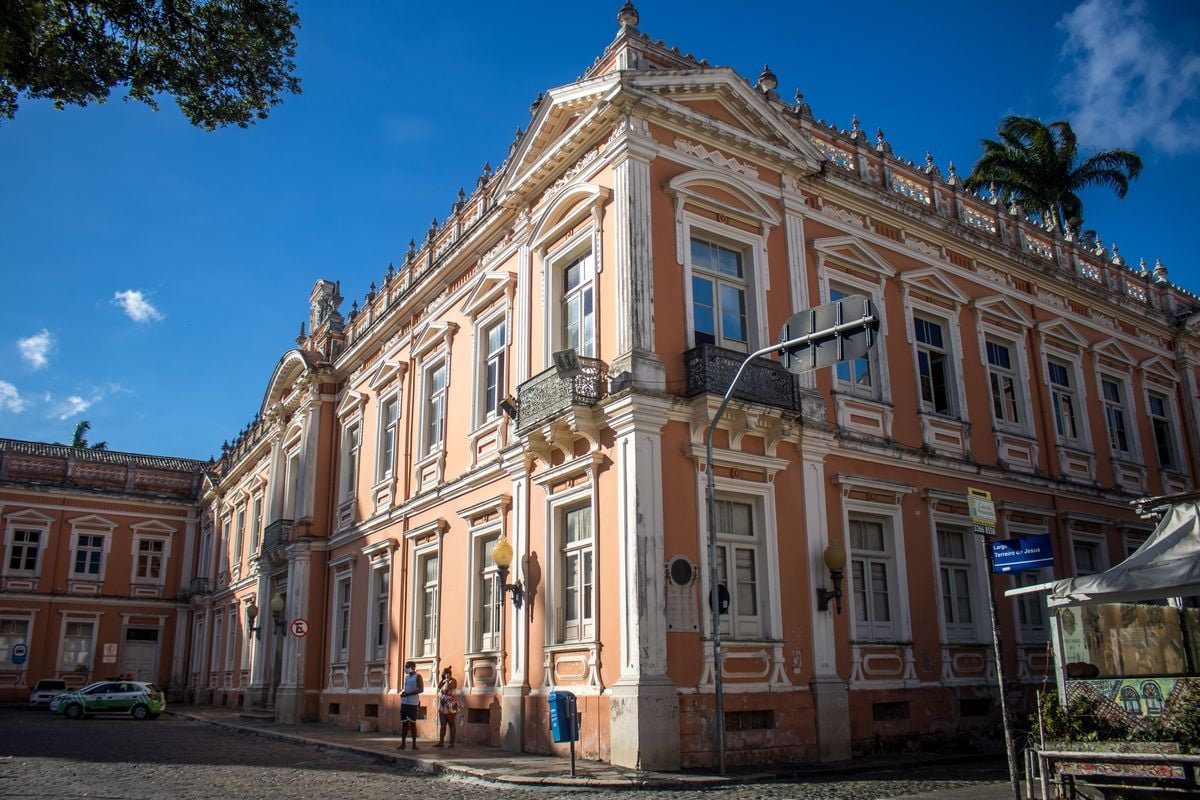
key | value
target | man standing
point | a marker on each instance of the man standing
(410, 702)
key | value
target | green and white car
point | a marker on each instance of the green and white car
(135, 698)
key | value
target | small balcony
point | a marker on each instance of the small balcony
(198, 586)
(710, 370)
(546, 395)
(277, 533)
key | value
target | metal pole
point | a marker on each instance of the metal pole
(1009, 744)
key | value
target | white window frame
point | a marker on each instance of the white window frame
(970, 566)
(93, 622)
(1017, 372)
(753, 249)
(256, 524)
(434, 404)
(486, 358)
(232, 634)
(247, 641)
(379, 609)
(1074, 392)
(878, 390)
(106, 542)
(291, 481)
(950, 351)
(1032, 604)
(577, 249)
(218, 641)
(34, 523)
(7, 640)
(484, 596)
(388, 436)
(341, 608)
(424, 639)
(582, 576)
(557, 505)
(739, 623)
(239, 536)
(349, 463)
(1089, 540)
(899, 629)
(1169, 418)
(164, 543)
(1121, 410)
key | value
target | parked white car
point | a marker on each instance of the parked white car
(46, 690)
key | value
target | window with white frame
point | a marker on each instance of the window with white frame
(389, 425)
(426, 607)
(239, 539)
(1032, 615)
(351, 440)
(1065, 401)
(226, 544)
(719, 294)
(256, 524)
(77, 646)
(24, 549)
(575, 553)
(218, 638)
(247, 647)
(1116, 414)
(291, 496)
(381, 587)
(486, 614)
(577, 278)
(1162, 423)
(198, 645)
(1005, 384)
(149, 566)
(956, 574)
(341, 619)
(89, 555)
(12, 632)
(873, 579)
(857, 376)
(934, 370)
(1088, 554)
(232, 638)
(740, 568)
(435, 407)
(491, 344)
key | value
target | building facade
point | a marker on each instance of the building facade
(663, 218)
(98, 550)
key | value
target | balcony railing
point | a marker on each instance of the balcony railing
(198, 586)
(710, 370)
(277, 533)
(546, 395)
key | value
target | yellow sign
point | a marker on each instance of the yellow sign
(983, 511)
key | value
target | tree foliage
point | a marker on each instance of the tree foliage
(1038, 166)
(79, 438)
(224, 61)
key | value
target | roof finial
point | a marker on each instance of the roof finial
(1117, 258)
(803, 109)
(767, 80)
(628, 16)
(1160, 270)
(881, 144)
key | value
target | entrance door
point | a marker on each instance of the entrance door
(140, 657)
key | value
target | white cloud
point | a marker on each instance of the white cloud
(72, 406)
(137, 306)
(1127, 83)
(36, 349)
(10, 398)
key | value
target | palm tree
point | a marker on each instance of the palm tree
(80, 437)
(1035, 164)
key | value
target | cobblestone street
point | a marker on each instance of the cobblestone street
(45, 756)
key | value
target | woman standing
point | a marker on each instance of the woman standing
(447, 708)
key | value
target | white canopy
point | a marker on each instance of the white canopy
(1166, 565)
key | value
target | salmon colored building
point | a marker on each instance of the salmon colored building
(98, 550)
(662, 218)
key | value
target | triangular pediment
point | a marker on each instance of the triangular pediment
(488, 288)
(388, 370)
(433, 335)
(1062, 331)
(28, 517)
(352, 403)
(850, 250)
(92, 521)
(1114, 351)
(931, 282)
(153, 527)
(1001, 308)
(1159, 368)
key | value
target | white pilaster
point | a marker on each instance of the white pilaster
(289, 705)
(515, 637)
(798, 271)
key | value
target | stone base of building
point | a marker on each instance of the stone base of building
(512, 718)
(644, 725)
(831, 707)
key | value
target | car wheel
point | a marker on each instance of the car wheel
(140, 712)
(73, 711)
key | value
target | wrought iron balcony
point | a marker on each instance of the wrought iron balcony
(546, 395)
(710, 370)
(277, 533)
(198, 586)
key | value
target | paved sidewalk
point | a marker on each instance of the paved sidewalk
(494, 765)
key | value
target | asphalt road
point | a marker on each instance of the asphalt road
(45, 756)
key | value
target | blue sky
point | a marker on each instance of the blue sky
(156, 273)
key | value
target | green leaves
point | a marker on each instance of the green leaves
(226, 62)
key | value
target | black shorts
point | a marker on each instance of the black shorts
(408, 712)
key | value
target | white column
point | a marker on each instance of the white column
(798, 270)
(289, 704)
(179, 665)
(515, 636)
(521, 316)
(644, 723)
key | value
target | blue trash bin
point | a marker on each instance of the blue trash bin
(563, 727)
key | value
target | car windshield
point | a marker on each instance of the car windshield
(96, 688)
(50, 686)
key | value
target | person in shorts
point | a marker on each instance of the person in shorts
(410, 703)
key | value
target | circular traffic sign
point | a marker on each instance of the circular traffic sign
(300, 627)
(19, 653)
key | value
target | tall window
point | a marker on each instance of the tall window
(1089, 556)
(1116, 415)
(256, 524)
(389, 416)
(23, 550)
(856, 376)
(435, 406)
(487, 593)
(350, 443)
(1032, 616)
(1064, 401)
(955, 571)
(872, 570)
(77, 646)
(341, 620)
(381, 586)
(719, 296)
(231, 639)
(739, 568)
(214, 658)
(491, 374)
(579, 306)
(933, 366)
(89, 552)
(1164, 431)
(149, 559)
(12, 631)
(427, 604)
(291, 498)
(1002, 376)
(239, 540)
(576, 558)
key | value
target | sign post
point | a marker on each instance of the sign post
(983, 518)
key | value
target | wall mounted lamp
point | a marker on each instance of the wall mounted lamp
(251, 618)
(835, 561)
(509, 406)
(502, 556)
(277, 609)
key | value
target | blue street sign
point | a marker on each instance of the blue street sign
(1022, 553)
(19, 653)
